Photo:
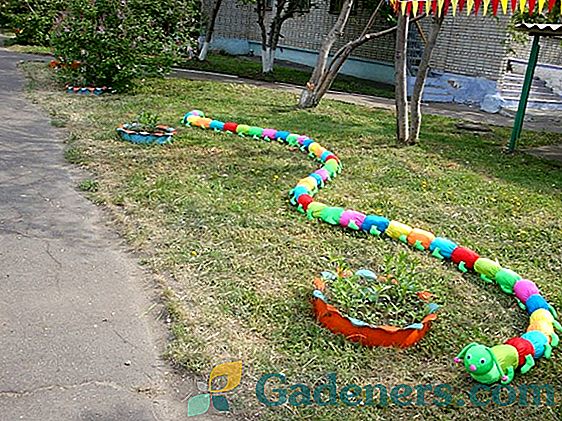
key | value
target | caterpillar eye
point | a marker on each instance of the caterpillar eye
(468, 356)
(483, 361)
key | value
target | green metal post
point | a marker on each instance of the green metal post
(518, 124)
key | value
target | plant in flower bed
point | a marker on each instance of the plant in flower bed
(146, 129)
(394, 299)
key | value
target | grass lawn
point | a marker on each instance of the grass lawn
(251, 69)
(30, 49)
(210, 216)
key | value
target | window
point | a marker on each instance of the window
(336, 5)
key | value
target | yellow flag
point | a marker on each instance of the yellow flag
(440, 4)
(469, 6)
(504, 6)
(403, 6)
(454, 4)
(485, 6)
(522, 5)
(415, 6)
(541, 5)
(428, 6)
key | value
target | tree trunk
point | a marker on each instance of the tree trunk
(415, 101)
(309, 95)
(209, 31)
(267, 58)
(268, 39)
(401, 79)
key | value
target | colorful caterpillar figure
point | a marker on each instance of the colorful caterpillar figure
(485, 365)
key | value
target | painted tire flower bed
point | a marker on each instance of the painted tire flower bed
(484, 364)
(88, 90)
(132, 133)
(146, 130)
(360, 331)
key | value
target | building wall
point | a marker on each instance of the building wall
(304, 32)
(472, 46)
(468, 45)
(550, 51)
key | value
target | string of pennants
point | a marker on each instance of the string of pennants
(440, 7)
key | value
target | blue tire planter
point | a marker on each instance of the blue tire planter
(162, 136)
(87, 90)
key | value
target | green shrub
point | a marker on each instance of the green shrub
(112, 42)
(31, 20)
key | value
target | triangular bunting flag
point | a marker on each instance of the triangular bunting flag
(495, 5)
(447, 4)
(541, 5)
(461, 5)
(469, 5)
(440, 4)
(551, 4)
(421, 6)
(415, 7)
(522, 4)
(434, 7)
(532, 4)
(513, 5)
(504, 6)
(454, 4)
(403, 7)
(485, 7)
(477, 4)
(427, 7)
(409, 8)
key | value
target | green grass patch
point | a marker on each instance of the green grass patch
(390, 299)
(250, 68)
(29, 49)
(210, 212)
(88, 185)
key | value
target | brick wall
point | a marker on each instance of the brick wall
(306, 31)
(550, 52)
(469, 45)
(472, 46)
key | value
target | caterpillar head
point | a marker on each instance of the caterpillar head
(478, 359)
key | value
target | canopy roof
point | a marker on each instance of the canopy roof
(545, 29)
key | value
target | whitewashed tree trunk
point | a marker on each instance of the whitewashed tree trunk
(401, 79)
(417, 94)
(204, 51)
(267, 59)
(209, 31)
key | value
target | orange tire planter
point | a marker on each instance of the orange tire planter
(358, 331)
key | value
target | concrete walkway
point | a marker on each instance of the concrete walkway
(79, 338)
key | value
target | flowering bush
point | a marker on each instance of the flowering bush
(116, 41)
(31, 20)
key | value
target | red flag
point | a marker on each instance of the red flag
(477, 4)
(495, 4)
(461, 5)
(551, 4)
(421, 6)
(409, 8)
(513, 5)
(446, 6)
(434, 7)
(532, 4)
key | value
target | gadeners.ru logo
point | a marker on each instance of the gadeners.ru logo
(272, 390)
